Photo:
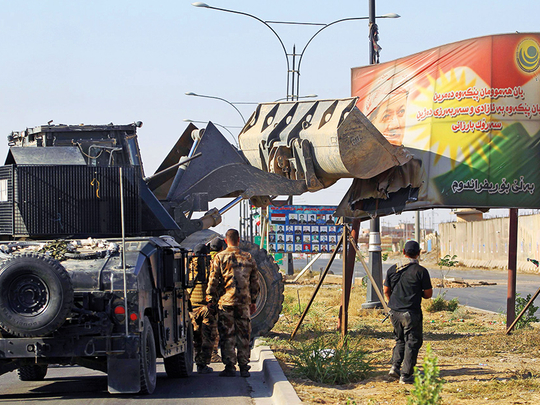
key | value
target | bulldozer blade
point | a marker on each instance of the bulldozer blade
(344, 143)
(222, 171)
(161, 184)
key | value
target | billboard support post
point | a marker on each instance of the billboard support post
(512, 266)
(345, 284)
(375, 266)
(349, 256)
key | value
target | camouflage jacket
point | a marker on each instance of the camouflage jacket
(233, 278)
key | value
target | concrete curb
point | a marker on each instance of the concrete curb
(481, 310)
(263, 359)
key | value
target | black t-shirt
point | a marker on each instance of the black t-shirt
(407, 286)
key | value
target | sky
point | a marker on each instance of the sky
(121, 61)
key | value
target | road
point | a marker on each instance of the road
(75, 385)
(490, 298)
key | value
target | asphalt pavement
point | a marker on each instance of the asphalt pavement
(75, 385)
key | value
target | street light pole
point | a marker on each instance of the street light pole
(389, 15)
(292, 90)
(204, 5)
(190, 93)
(293, 74)
(375, 250)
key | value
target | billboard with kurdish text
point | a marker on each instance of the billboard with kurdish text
(469, 112)
(303, 229)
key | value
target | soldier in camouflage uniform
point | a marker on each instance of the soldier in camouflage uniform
(203, 320)
(233, 286)
(215, 246)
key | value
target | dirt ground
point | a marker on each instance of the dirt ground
(478, 362)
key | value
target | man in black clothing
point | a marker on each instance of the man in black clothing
(404, 288)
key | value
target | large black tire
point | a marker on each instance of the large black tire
(147, 357)
(34, 372)
(181, 364)
(270, 299)
(36, 295)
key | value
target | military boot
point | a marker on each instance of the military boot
(204, 369)
(230, 371)
(244, 371)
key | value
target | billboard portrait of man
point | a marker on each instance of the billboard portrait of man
(389, 116)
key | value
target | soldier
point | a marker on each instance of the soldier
(203, 320)
(215, 246)
(235, 273)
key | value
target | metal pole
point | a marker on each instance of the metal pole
(375, 266)
(244, 219)
(122, 219)
(371, 21)
(293, 74)
(375, 257)
(230, 205)
(263, 225)
(290, 262)
(313, 260)
(417, 226)
(359, 255)
(240, 218)
(251, 238)
(512, 266)
(345, 284)
(509, 329)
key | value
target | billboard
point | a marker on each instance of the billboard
(302, 229)
(469, 112)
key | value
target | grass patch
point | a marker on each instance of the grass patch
(477, 360)
(329, 359)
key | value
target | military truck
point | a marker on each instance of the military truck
(95, 253)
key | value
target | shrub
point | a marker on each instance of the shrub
(528, 317)
(427, 387)
(327, 359)
(447, 262)
(439, 303)
(453, 304)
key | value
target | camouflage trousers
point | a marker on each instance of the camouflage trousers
(204, 334)
(234, 325)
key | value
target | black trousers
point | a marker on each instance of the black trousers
(409, 339)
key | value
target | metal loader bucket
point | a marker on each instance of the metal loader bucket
(319, 141)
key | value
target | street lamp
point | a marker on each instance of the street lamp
(292, 90)
(190, 93)
(216, 124)
(204, 5)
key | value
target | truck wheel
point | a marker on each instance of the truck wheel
(270, 299)
(147, 358)
(181, 365)
(34, 372)
(36, 295)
